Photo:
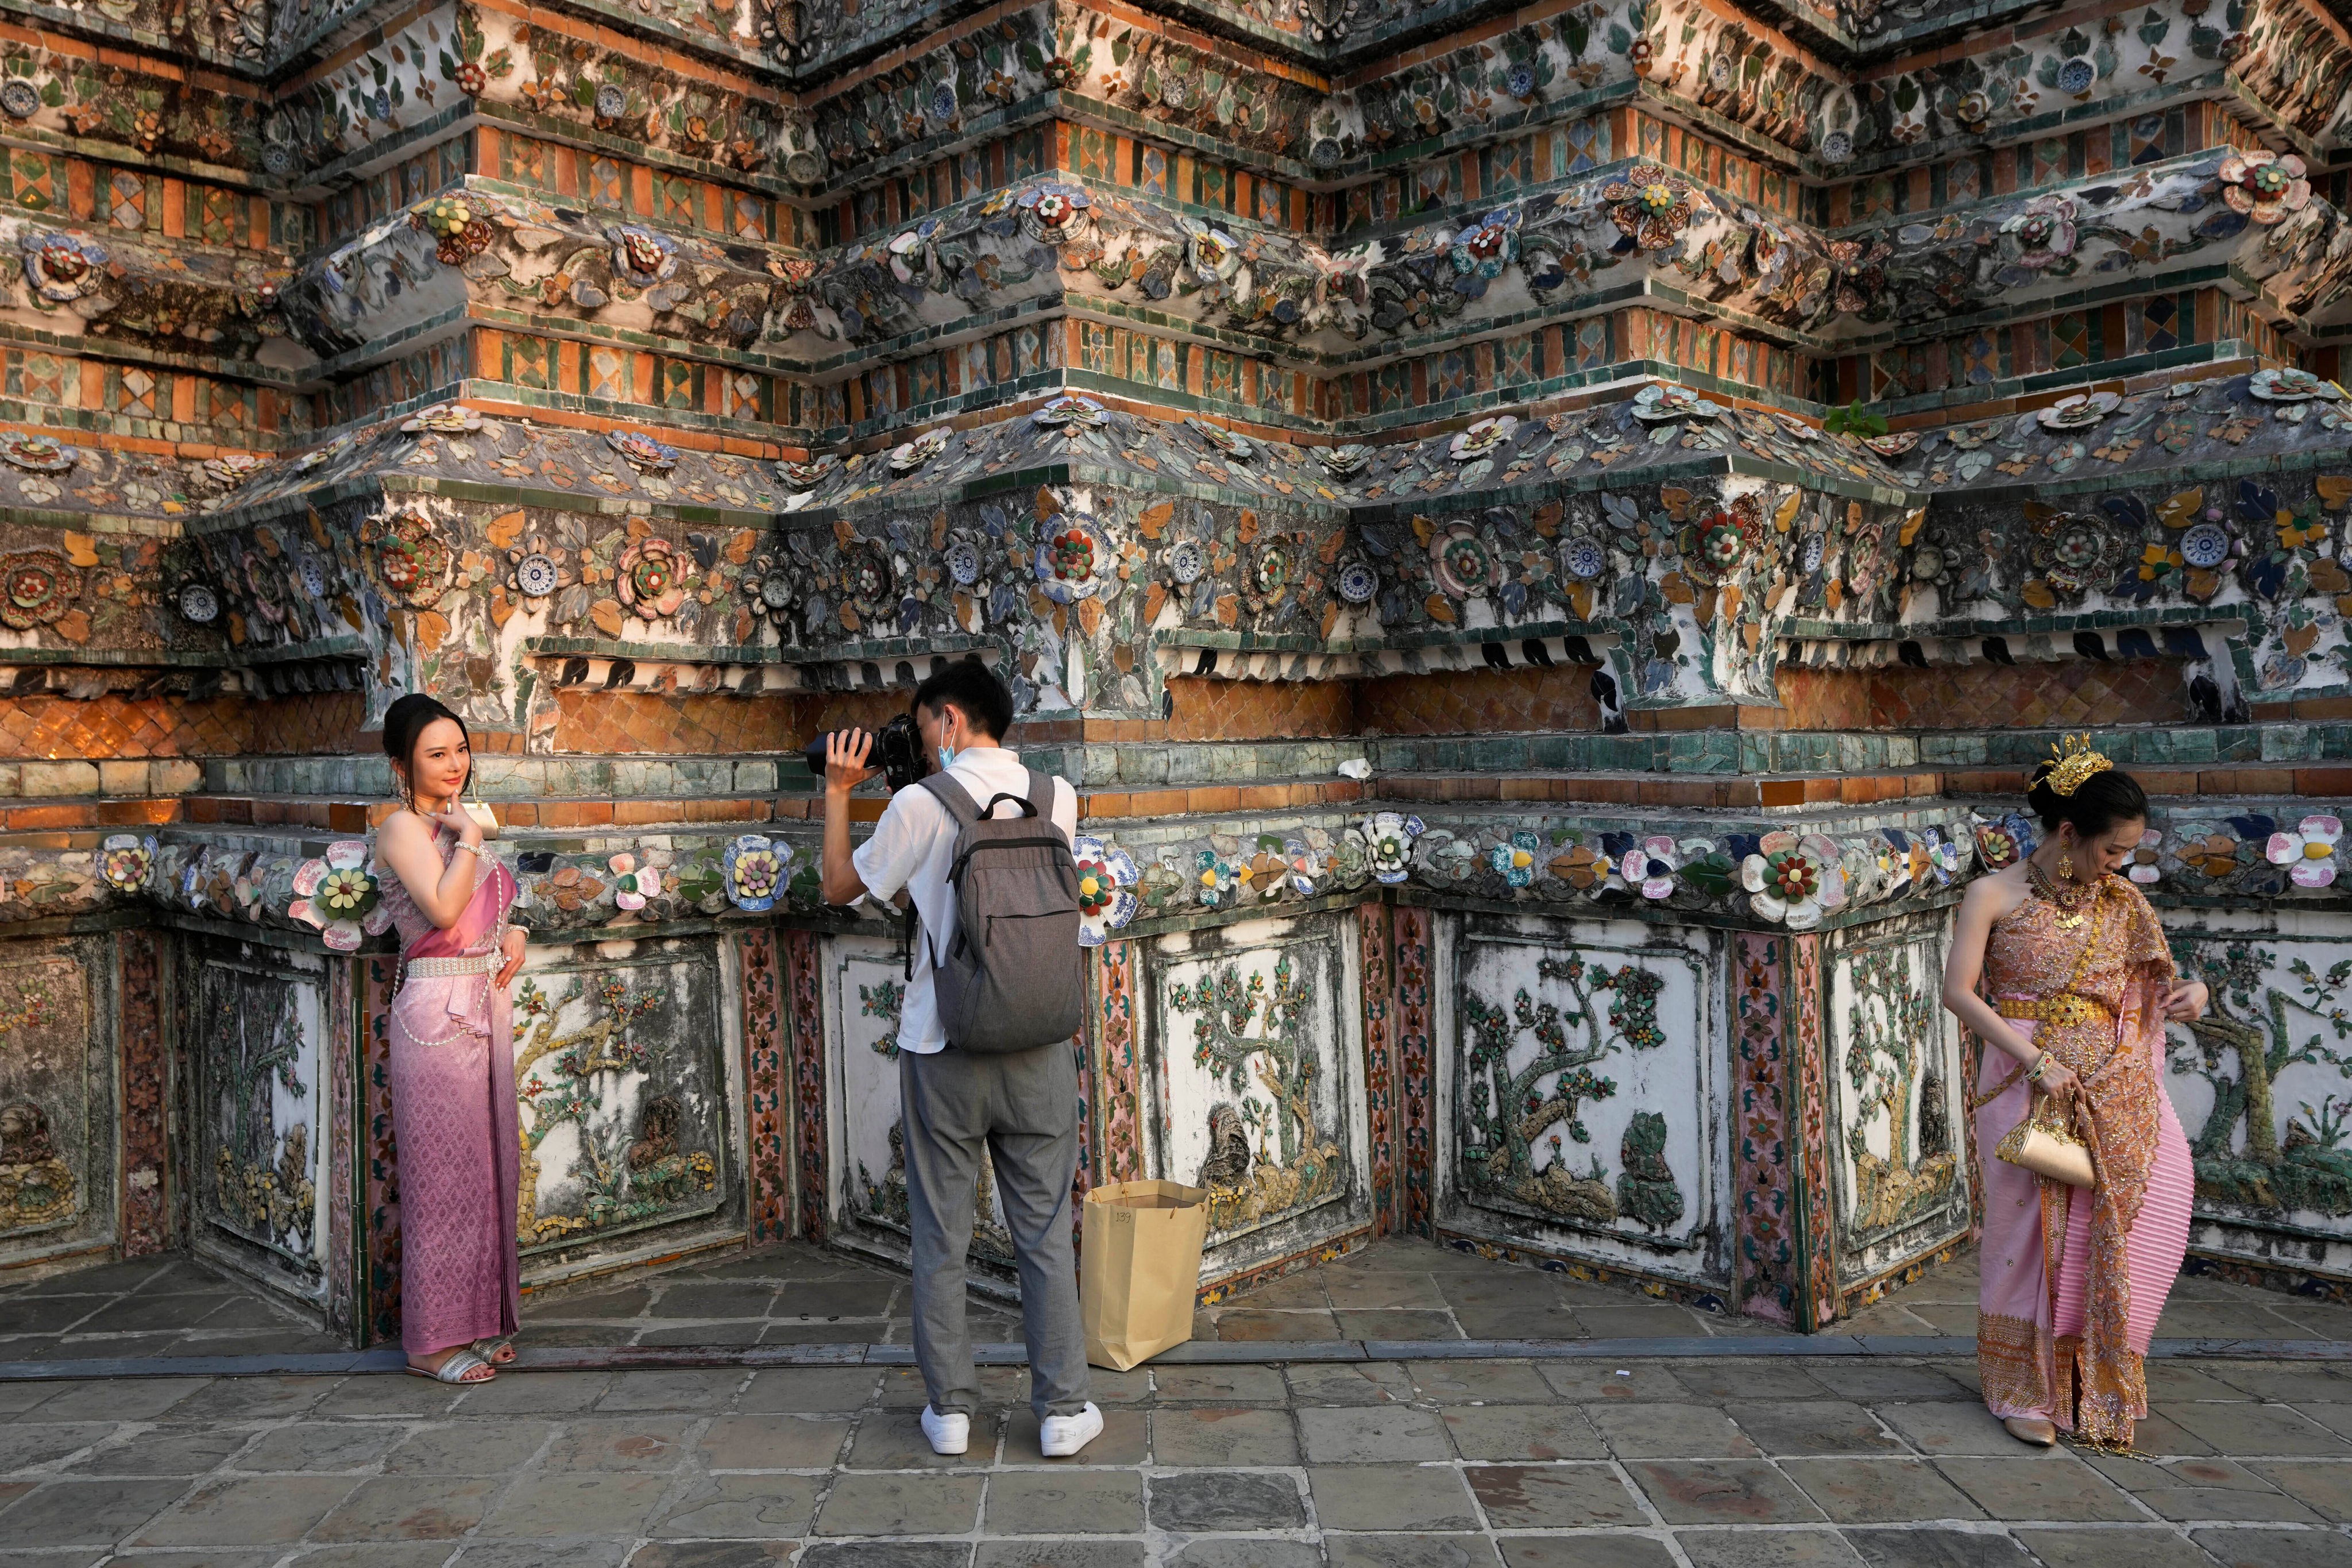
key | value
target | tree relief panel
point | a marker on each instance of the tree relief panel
(57, 1120)
(2263, 1083)
(1896, 1072)
(256, 1016)
(1261, 1107)
(868, 996)
(1579, 1085)
(621, 1069)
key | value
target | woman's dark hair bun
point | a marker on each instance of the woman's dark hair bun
(405, 720)
(2098, 803)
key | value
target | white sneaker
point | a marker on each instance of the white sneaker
(948, 1434)
(1062, 1435)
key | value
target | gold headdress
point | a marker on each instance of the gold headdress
(2074, 762)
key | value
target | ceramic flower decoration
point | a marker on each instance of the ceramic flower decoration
(642, 258)
(2208, 851)
(1483, 438)
(1661, 401)
(1794, 880)
(37, 453)
(125, 861)
(233, 468)
(1650, 205)
(1943, 857)
(1649, 867)
(1894, 444)
(1514, 859)
(910, 455)
(1465, 566)
(651, 578)
(1343, 462)
(2309, 852)
(1387, 837)
(633, 884)
(1586, 869)
(1481, 252)
(2268, 187)
(2044, 232)
(809, 474)
(1054, 213)
(2079, 411)
(1071, 559)
(2144, 865)
(642, 452)
(36, 587)
(339, 895)
(1239, 449)
(1214, 254)
(1719, 545)
(410, 558)
(460, 232)
(753, 868)
(445, 419)
(60, 268)
(539, 568)
(1071, 413)
(1213, 877)
(1107, 897)
(2291, 385)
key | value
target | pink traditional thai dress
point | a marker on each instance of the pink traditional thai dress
(2075, 1279)
(454, 1124)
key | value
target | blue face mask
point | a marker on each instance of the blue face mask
(947, 757)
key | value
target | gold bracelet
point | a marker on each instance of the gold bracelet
(2041, 1061)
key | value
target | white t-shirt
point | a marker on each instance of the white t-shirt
(913, 848)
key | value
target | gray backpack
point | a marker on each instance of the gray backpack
(1012, 980)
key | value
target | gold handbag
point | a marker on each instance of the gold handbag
(2045, 1144)
(479, 809)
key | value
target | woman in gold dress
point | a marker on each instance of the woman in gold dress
(2076, 987)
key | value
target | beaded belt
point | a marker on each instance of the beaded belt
(472, 964)
(2065, 1008)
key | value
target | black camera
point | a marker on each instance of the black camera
(898, 752)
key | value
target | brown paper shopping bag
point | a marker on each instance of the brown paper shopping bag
(1141, 1269)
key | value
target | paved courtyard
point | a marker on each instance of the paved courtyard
(1722, 1463)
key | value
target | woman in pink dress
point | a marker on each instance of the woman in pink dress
(2077, 984)
(453, 1093)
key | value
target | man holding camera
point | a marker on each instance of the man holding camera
(985, 1067)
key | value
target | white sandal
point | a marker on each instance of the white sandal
(489, 1348)
(461, 1361)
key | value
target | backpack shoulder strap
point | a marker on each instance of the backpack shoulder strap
(1040, 794)
(952, 795)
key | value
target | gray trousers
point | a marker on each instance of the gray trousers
(1022, 1109)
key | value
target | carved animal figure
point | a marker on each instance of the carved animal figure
(1228, 1165)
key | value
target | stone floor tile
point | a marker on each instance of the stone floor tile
(1864, 1378)
(1640, 1382)
(769, 1506)
(163, 1451)
(737, 1331)
(1060, 1554)
(2324, 1486)
(636, 1443)
(1301, 1288)
(246, 1511)
(205, 1557)
(1261, 1552)
(1813, 1426)
(1749, 1381)
(1553, 1496)
(320, 1446)
(1207, 1384)
(2173, 1381)
(698, 1393)
(49, 1315)
(419, 1508)
(705, 1301)
(771, 1442)
(2336, 1417)
(900, 1505)
(1952, 1427)
(1529, 1322)
(1125, 1440)
(834, 1298)
(1480, 1383)
(533, 1335)
(2162, 1435)
(714, 1555)
(1669, 1432)
(894, 1440)
(1616, 1550)
(2230, 1320)
(551, 1553)
(2147, 1546)
(2277, 1548)
(815, 1390)
(1064, 1503)
(252, 1398)
(2270, 1430)
(100, 1399)
(1366, 1288)
(999, 1387)
(1398, 1323)
(1224, 1435)
(1196, 1500)
(1348, 1383)
(1522, 1432)
(1409, 1550)
(1879, 1492)
(131, 1314)
(536, 1393)
(1639, 1320)
(468, 1448)
(397, 1394)
(374, 1554)
(2204, 1490)
(2053, 1486)
(2286, 1382)
(1249, 1323)
(25, 1444)
(1375, 1435)
(1722, 1491)
(1390, 1497)
(629, 1301)
(576, 1502)
(886, 1555)
(1913, 1548)
(75, 1512)
(1766, 1549)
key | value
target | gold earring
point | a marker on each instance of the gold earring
(2065, 866)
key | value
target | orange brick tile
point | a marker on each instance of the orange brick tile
(2323, 781)
(25, 817)
(144, 813)
(1103, 804)
(1774, 793)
